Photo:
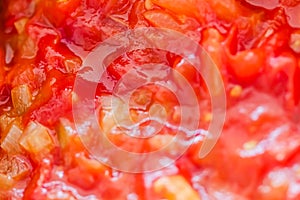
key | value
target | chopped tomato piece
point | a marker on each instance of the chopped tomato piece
(145, 101)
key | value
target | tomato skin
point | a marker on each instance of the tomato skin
(85, 180)
(50, 112)
(247, 64)
(244, 64)
(117, 69)
(136, 17)
(225, 9)
(64, 8)
(53, 100)
(55, 55)
(246, 130)
(259, 145)
(186, 7)
(26, 74)
(84, 33)
(187, 70)
(161, 19)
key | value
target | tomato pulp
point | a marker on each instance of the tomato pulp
(255, 45)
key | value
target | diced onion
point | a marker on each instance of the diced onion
(295, 41)
(90, 164)
(20, 25)
(236, 91)
(21, 98)
(10, 143)
(158, 111)
(149, 5)
(160, 141)
(5, 121)
(9, 53)
(65, 131)
(113, 113)
(29, 48)
(36, 139)
(107, 121)
(175, 188)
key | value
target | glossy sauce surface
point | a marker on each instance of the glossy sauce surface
(254, 43)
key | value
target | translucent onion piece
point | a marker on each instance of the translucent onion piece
(10, 142)
(295, 41)
(149, 5)
(5, 121)
(21, 98)
(175, 188)
(90, 164)
(9, 53)
(29, 48)
(159, 141)
(20, 25)
(65, 131)
(36, 139)
(107, 121)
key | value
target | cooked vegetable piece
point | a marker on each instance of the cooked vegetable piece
(175, 188)
(10, 142)
(255, 47)
(36, 139)
(21, 98)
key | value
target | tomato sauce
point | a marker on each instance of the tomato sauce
(255, 45)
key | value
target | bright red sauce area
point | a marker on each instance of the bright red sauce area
(256, 46)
